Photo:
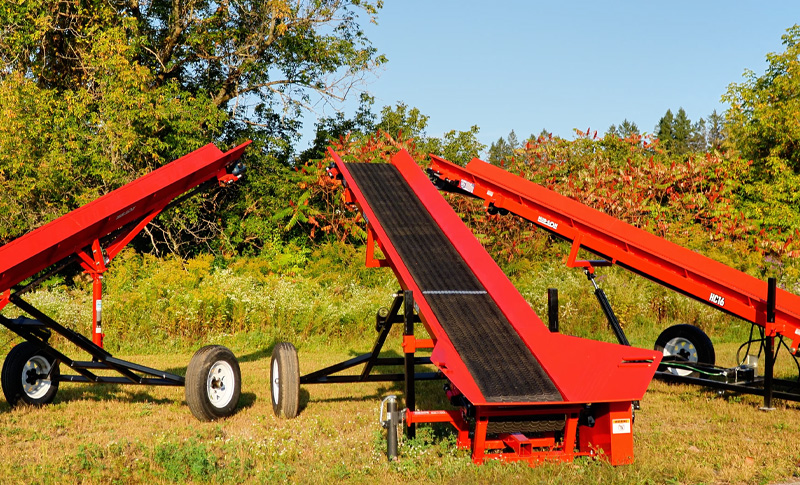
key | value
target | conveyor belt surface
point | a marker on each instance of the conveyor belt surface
(501, 364)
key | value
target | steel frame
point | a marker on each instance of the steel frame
(384, 322)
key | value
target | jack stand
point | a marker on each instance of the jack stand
(390, 423)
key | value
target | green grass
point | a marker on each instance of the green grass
(126, 434)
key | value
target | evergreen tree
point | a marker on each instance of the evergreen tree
(627, 128)
(503, 149)
(513, 142)
(664, 130)
(698, 139)
(499, 151)
(716, 134)
(681, 132)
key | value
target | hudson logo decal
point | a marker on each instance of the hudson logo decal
(547, 223)
(125, 213)
(714, 298)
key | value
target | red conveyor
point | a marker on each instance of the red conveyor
(478, 320)
(92, 236)
(657, 259)
(145, 196)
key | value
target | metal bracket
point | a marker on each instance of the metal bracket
(372, 261)
(588, 265)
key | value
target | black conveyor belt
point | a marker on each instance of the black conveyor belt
(503, 367)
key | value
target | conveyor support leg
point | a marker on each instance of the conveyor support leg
(410, 396)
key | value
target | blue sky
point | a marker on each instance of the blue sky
(526, 66)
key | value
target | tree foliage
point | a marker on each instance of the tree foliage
(763, 124)
(679, 136)
(764, 115)
(99, 91)
(625, 129)
(314, 207)
(503, 149)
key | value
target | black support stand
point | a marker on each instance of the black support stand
(552, 309)
(769, 351)
(408, 323)
(384, 323)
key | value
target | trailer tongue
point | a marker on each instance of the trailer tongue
(522, 391)
(91, 236)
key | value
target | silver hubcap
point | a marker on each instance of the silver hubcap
(220, 384)
(683, 348)
(34, 386)
(276, 385)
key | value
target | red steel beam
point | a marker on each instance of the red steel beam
(141, 199)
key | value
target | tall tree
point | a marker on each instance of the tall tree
(628, 128)
(401, 120)
(503, 149)
(337, 126)
(763, 121)
(513, 141)
(458, 146)
(716, 131)
(499, 152)
(104, 90)
(698, 140)
(675, 132)
(665, 129)
(681, 132)
(763, 125)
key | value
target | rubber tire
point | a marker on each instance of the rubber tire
(697, 340)
(284, 379)
(199, 380)
(14, 369)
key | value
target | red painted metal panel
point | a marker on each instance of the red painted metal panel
(70, 233)
(709, 281)
(583, 370)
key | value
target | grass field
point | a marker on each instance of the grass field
(157, 312)
(127, 434)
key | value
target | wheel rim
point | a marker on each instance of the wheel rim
(34, 386)
(220, 384)
(276, 383)
(683, 348)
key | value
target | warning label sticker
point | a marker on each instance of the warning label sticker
(468, 186)
(620, 426)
